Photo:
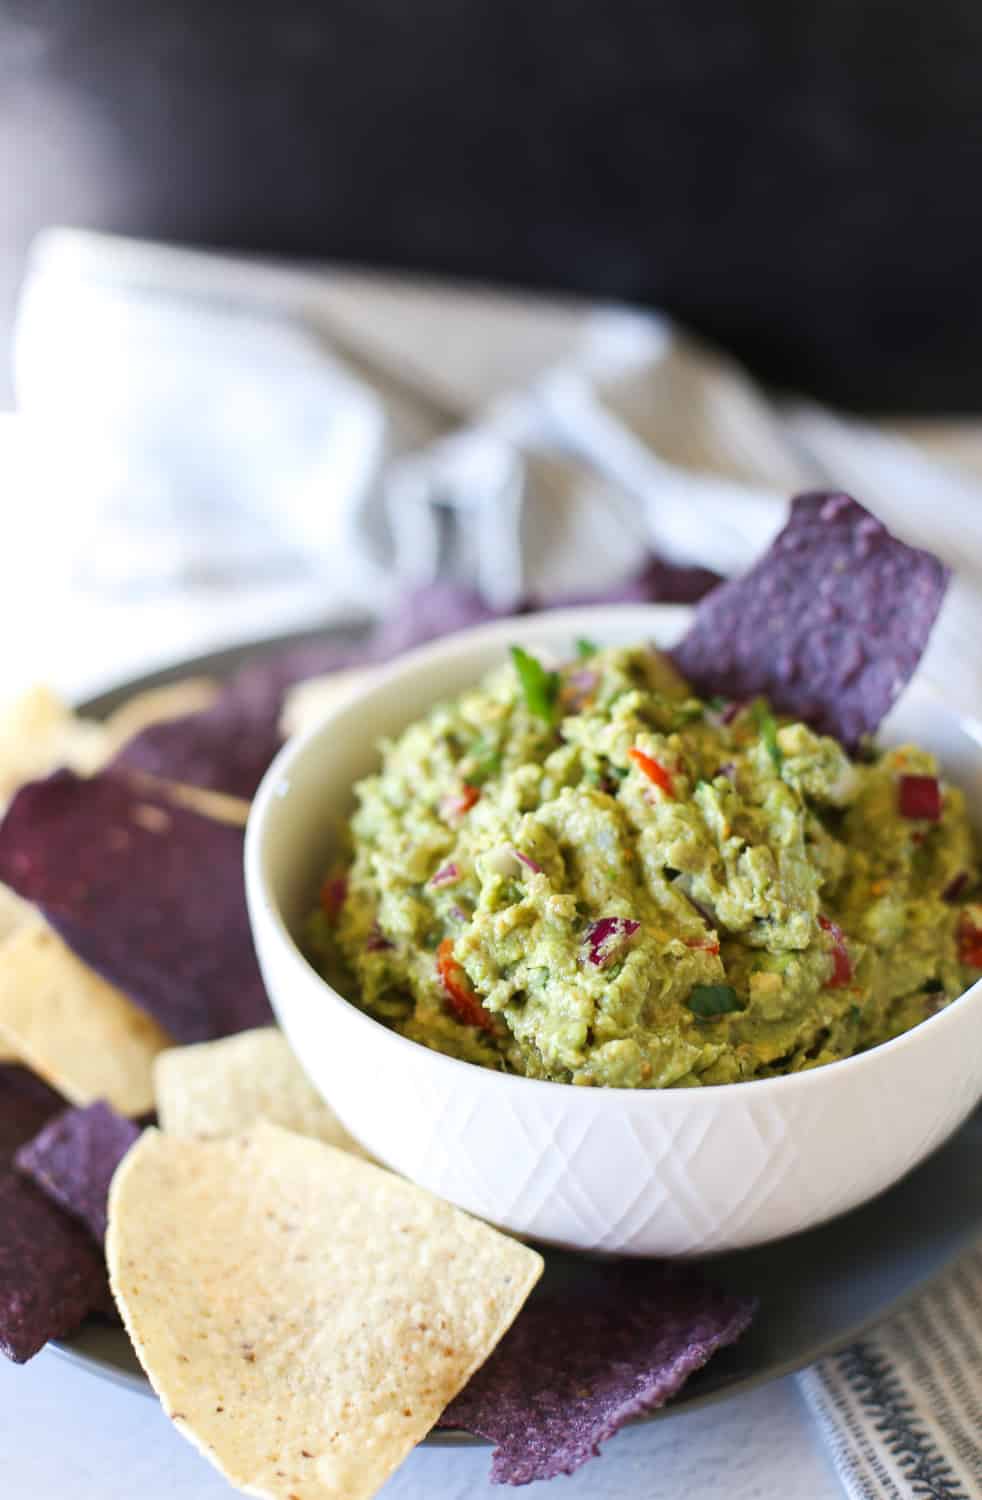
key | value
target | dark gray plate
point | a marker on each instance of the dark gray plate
(818, 1291)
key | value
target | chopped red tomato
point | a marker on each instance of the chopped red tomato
(842, 970)
(653, 769)
(969, 940)
(463, 1001)
(703, 945)
(459, 803)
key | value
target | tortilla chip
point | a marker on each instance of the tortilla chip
(38, 733)
(829, 625)
(308, 702)
(227, 746)
(51, 1273)
(13, 912)
(200, 799)
(223, 1088)
(144, 891)
(73, 1029)
(158, 705)
(303, 1316)
(658, 582)
(73, 1160)
(583, 1360)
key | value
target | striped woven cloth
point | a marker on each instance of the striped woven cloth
(901, 1411)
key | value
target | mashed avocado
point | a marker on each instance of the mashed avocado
(594, 877)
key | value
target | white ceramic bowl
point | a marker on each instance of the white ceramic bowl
(636, 1172)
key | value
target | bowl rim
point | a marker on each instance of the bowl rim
(383, 680)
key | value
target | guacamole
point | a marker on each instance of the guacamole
(590, 875)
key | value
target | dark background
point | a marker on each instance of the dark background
(800, 182)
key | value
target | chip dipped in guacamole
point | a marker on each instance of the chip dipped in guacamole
(590, 875)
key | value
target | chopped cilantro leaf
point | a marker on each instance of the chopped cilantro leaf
(489, 766)
(712, 999)
(586, 648)
(767, 728)
(539, 687)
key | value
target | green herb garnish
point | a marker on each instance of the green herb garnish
(855, 1014)
(586, 648)
(767, 728)
(712, 999)
(539, 687)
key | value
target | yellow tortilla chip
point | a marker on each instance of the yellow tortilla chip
(222, 1088)
(221, 806)
(304, 1317)
(39, 733)
(13, 912)
(308, 702)
(188, 696)
(73, 1029)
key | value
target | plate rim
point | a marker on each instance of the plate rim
(221, 661)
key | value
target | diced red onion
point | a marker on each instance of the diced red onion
(703, 912)
(458, 913)
(578, 687)
(529, 864)
(842, 970)
(728, 769)
(919, 797)
(607, 938)
(446, 876)
(955, 887)
(730, 711)
(377, 942)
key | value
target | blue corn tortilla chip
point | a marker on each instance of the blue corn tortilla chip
(74, 1157)
(148, 893)
(658, 582)
(581, 1361)
(829, 625)
(228, 746)
(52, 1274)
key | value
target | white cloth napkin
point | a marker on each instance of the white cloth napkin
(223, 420)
